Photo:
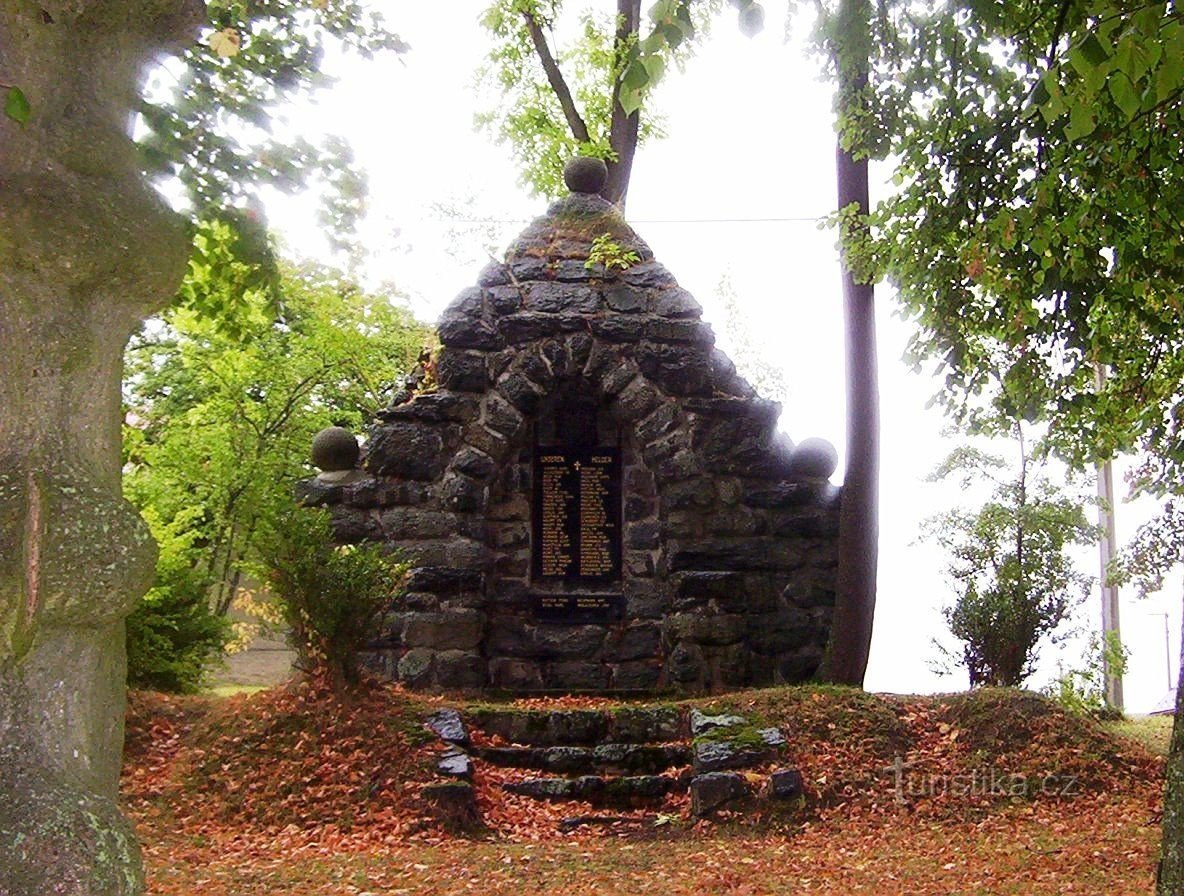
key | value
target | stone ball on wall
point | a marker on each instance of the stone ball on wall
(813, 459)
(584, 174)
(335, 449)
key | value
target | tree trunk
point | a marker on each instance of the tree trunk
(86, 251)
(1171, 866)
(624, 129)
(855, 599)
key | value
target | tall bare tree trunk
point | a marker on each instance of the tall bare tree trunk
(855, 601)
(87, 249)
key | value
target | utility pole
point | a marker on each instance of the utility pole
(1107, 549)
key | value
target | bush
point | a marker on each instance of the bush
(332, 595)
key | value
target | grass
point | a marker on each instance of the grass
(1153, 732)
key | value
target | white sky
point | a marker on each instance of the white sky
(749, 136)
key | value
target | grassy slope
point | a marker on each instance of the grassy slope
(291, 791)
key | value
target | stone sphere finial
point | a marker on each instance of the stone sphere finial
(335, 450)
(584, 174)
(814, 459)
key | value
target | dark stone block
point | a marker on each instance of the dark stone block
(444, 580)
(453, 804)
(648, 276)
(619, 329)
(455, 764)
(415, 667)
(519, 392)
(447, 725)
(462, 493)
(554, 352)
(719, 586)
(710, 630)
(470, 303)
(626, 299)
(800, 666)
(406, 450)
(502, 417)
(662, 421)
(637, 400)
(573, 270)
(714, 789)
(463, 371)
(473, 462)
(618, 378)
(315, 493)
(643, 536)
(354, 526)
(646, 724)
(449, 629)
(786, 784)
(579, 348)
(676, 302)
(780, 495)
(433, 407)
(514, 637)
(694, 332)
(737, 554)
(460, 670)
(411, 522)
(689, 493)
(526, 326)
(638, 642)
(576, 676)
(507, 299)
(468, 332)
(530, 268)
(552, 297)
(515, 674)
(779, 633)
(757, 409)
(678, 369)
(682, 465)
(685, 664)
(494, 274)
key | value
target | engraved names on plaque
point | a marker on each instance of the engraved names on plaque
(577, 515)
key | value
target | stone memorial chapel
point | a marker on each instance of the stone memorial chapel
(590, 497)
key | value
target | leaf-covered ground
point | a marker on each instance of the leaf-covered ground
(292, 791)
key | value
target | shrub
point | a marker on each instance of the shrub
(332, 595)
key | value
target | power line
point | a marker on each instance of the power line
(796, 220)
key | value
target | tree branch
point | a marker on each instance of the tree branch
(579, 130)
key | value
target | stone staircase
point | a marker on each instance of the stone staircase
(623, 757)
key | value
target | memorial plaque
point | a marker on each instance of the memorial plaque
(579, 608)
(576, 516)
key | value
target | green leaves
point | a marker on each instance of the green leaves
(16, 105)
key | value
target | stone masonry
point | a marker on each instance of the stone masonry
(726, 566)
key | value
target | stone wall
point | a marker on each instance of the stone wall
(728, 542)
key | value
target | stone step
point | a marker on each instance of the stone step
(581, 727)
(617, 758)
(630, 790)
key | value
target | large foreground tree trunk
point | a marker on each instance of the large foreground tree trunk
(1171, 867)
(855, 599)
(86, 251)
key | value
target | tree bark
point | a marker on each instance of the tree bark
(624, 129)
(858, 542)
(87, 249)
(1171, 867)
